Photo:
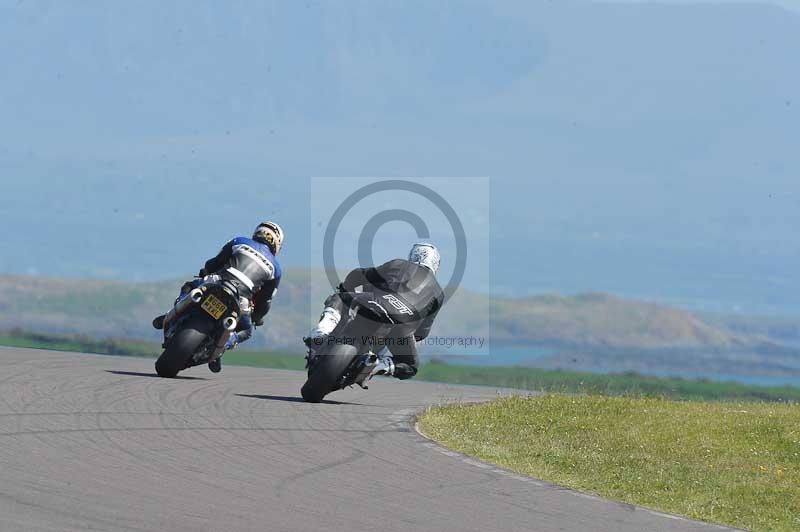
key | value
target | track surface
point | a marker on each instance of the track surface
(90, 442)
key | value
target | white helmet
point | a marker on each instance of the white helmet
(425, 255)
(271, 234)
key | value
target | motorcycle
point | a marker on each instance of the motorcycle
(348, 356)
(197, 328)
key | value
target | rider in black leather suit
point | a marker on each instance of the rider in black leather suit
(413, 281)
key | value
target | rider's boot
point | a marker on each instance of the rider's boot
(403, 371)
(216, 365)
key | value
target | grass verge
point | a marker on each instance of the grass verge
(731, 463)
(605, 384)
(137, 348)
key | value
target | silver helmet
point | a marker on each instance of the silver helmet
(425, 255)
(271, 234)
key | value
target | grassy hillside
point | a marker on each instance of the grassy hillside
(602, 320)
(781, 329)
(115, 309)
(589, 331)
(596, 320)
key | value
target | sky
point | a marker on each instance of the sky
(790, 5)
(649, 149)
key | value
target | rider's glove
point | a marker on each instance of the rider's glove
(201, 273)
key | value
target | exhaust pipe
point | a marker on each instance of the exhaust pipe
(194, 297)
(229, 324)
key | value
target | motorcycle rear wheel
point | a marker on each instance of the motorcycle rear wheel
(328, 369)
(182, 345)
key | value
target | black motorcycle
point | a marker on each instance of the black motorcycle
(198, 327)
(348, 356)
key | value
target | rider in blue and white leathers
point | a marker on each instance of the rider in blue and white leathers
(249, 265)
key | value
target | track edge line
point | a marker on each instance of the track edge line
(434, 445)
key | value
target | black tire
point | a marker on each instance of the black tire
(184, 343)
(327, 371)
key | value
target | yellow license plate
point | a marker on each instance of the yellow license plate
(214, 306)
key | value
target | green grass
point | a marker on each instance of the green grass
(726, 462)
(629, 384)
(78, 343)
(614, 384)
(136, 348)
(265, 359)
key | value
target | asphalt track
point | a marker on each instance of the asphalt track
(92, 442)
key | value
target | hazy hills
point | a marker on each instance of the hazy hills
(110, 308)
(601, 320)
(601, 330)
(652, 140)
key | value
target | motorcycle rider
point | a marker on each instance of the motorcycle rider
(413, 280)
(248, 264)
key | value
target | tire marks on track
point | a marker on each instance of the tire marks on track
(96, 442)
